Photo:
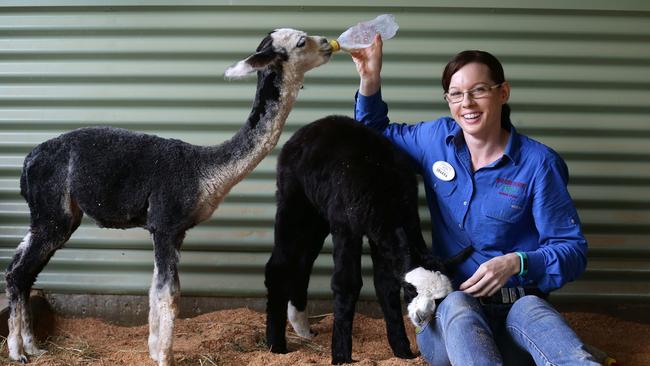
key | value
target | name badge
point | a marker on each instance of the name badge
(443, 170)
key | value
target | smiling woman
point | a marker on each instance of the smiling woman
(480, 117)
(508, 199)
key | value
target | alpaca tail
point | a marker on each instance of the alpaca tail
(416, 253)
(410, 250)
(27, 163)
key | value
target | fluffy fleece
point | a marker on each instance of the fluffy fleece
(339, 177)
(430, 286)
(125, 179)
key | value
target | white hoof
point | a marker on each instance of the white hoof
(32, 350)
(166, 360)
(153, 348)
(15, 346)
(19, 358)
(299, 321)
(17, 355)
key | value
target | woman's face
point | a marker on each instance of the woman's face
(479, 117)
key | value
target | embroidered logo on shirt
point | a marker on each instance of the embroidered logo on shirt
(510, 188)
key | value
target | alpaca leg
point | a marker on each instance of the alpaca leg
(346, 285)
(297, 306)
(27, 334)
(387, 288)
(16, 304)
(164, 295)
(168, 310)
(154, 317)
(31, 256)
(299, 236)
(313, 243)
(276, 281)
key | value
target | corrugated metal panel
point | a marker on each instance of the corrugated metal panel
(581, 84)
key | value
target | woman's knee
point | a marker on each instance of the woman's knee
(459, 298)
(527, 309)
(458, 302)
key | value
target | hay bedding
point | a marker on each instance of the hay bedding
(236, 337)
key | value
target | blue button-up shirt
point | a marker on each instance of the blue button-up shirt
(518, 203)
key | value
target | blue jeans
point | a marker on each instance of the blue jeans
(528, 332)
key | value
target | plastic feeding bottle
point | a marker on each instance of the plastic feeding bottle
(362, 34)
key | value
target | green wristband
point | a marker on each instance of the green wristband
(523, 263)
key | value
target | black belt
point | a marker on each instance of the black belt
(508, 295)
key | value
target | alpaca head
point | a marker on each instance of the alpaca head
(286, 48)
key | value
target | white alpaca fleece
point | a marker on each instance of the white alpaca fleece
(239, 70)
(299, 321)
(430, 286)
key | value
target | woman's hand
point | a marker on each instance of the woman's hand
(491, 275)
(368, 61)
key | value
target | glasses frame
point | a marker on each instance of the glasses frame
(469, 93)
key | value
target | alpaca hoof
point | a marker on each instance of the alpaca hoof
(167, 362)
(153, 348)
(407, 354)
(153, 356)
(307, 334)
(18, 357)
(342, 360)
(279, 349)
(299, 322)
(34, 351)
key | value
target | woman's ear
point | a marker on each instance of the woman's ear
(504, 91)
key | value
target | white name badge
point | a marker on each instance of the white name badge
(443, 170)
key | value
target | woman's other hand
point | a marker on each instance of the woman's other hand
(491, 275)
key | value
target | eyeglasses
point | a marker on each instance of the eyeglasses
(481, 91)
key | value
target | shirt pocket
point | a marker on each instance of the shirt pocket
(507, 210)
(500, 221)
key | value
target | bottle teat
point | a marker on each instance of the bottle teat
(335, 45)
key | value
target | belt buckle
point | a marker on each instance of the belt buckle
(514, 293)
(505, 296)
(511, 294)
(508, 296)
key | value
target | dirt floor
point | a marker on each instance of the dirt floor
(236, 337)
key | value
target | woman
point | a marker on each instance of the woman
(502, 193)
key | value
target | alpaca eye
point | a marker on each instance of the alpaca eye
(301, 42)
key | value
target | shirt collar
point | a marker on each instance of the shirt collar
(512, 151)
(455, 134)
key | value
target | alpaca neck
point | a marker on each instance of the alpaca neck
(231, 161)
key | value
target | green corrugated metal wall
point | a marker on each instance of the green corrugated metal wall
(580, 76)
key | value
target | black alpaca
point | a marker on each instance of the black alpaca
(124, 179)
(338, 176)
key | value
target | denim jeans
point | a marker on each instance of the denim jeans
(528, 332)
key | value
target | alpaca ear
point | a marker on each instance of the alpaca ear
(257, 61)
